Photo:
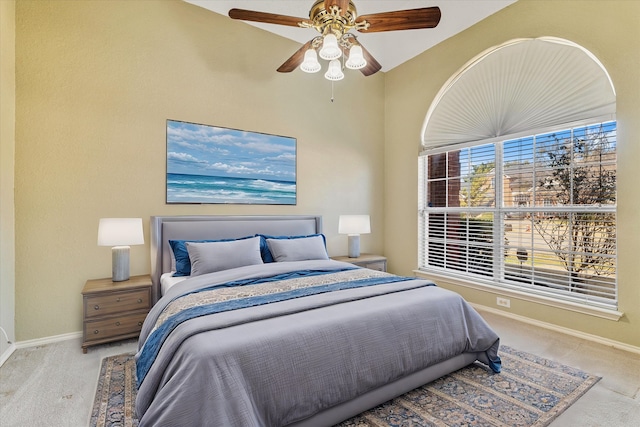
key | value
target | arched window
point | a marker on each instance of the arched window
(518, 173)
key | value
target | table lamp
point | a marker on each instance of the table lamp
(120, 233)
(354, 226)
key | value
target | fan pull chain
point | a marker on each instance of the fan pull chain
(331, 90)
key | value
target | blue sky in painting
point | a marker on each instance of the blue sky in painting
(214, 151)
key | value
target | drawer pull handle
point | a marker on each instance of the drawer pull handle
(96, 307)
(96, 332)
(139, 300)
(118, 300)
(139, 323)
(117, 323)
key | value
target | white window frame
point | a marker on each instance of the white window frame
(497, 284)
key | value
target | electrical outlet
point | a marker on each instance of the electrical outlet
(503, 302)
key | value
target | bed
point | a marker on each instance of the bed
(301, 340)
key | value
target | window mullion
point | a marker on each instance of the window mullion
(570, 246)
(532, 253)
(498, 215)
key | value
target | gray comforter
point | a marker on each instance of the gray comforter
(272, 364)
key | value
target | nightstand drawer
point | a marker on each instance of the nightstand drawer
(116, 326)
(117, 302)
(379, 265)
(114, 310)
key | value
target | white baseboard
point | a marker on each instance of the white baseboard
(583, 335)
(8, 352)
(48, 340)
(38, 341)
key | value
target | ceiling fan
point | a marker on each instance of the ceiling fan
(333, 19)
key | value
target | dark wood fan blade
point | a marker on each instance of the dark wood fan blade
(410, 19)
(342, 4)
(295, 60)
(268, 18)
(372, 66)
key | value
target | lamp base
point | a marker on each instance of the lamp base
(354, 245)
(120, 263)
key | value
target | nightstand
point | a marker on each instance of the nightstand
(113, 311)
(374, 262)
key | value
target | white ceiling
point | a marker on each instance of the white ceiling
(389, 48)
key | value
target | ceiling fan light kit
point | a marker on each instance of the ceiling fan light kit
(333, 19)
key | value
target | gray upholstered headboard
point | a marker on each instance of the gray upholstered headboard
(165, 228)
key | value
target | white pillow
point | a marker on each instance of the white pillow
(217, 256)
(301, 249)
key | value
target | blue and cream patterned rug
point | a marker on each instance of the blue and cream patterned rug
(530, 391)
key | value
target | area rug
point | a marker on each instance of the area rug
(529, 392)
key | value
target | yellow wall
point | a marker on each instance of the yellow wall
(609, 30)
(7, 154)
(96, 82)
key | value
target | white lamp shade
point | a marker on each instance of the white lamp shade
(120, 232)
(310, 63)
(330, 49)
(335, 71)
(356, 58)
(354, 224)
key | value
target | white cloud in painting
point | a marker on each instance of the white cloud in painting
(184, 157)
(264, 147)
(231, 169)
(214, 151)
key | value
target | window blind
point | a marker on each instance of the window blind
(519, 87)
(536, 213)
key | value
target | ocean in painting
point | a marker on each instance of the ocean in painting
(183, 188)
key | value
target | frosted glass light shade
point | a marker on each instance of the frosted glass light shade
(335, 71)
(330, 49)
(120, 232)
(356, 58)
(354, 224)
(310, 63)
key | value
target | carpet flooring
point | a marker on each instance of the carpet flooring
(529, 392)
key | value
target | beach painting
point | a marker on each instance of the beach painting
(210, 164)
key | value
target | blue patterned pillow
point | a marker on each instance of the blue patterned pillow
(267, 256)
(181, 255)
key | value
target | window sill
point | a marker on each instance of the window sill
(603, 313)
